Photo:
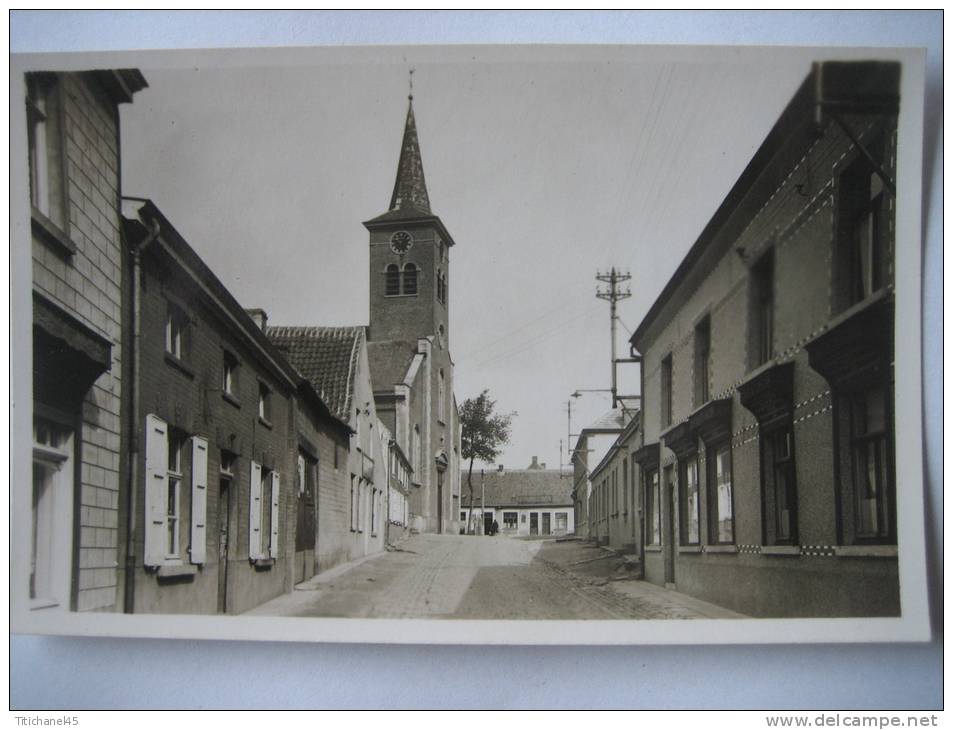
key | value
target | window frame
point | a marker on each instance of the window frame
(761, 333)
(771, 467)
(177, 331)
(174, 476)
(392, 280)
(410, 275)
(686, 467)
(714, 497)
(702, 370)
(653, 508)
(48, 182)
(265, 395)
(666, 390)
(230, 376)
(56, 457)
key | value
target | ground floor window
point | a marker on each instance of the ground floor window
(509, 520)
(562, 521)
(653, 508)
(51, 513)
(722, 524)
(688, 501)
(872, 483)
(779, 485)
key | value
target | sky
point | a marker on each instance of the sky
(546, 165)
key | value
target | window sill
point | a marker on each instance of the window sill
(262, 563)
(176, 571)
(781, 550)
(653, 548)
(400, 296)
(689, 548)
(37, 604)
(229, 398)
(866, 551)
(721, 549)
(178, 364)
(46, 230)
(265, 422)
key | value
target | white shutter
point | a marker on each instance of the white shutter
(254, 513)
(274, 515)
(199, 498)
(157, 489)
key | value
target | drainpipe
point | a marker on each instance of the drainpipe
(131, 509)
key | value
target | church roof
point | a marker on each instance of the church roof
(389, 361)
(326, 357)
(519, 487)
(410, 188)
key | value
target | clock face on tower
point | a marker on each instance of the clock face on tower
(401, 242)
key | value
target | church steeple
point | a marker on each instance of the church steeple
(410, 189)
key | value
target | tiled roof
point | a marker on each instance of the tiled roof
(614, 420)
(389, 360)
(520, 488)
(326, 357)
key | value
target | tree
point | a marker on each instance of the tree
(483, 434)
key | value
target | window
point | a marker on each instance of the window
(523, 518)
(229, 374)
(625, 488)
(666, 378)
(872, 482)
(354, 503)
(264, 402)
(415, 452)
(862, 229)
(762, 310)
(51, 515)
(688, 501)
(47, 181)
(780, 495)
(263, 516)
(652, 496)
(174, 473)
(440, 286)
(463, 516)
(562, 521)
(441, 396)
(509, 520)
(392, 280)
(410, 278)
(702, 357)
(176, 332)
(373, 512)
(721, 523)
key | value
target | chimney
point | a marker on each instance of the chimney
(259, 317)
(535, 464)
(542, 465)
(499, 468)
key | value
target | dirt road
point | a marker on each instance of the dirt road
(456, 576)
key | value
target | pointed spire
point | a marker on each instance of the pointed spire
(410, 189)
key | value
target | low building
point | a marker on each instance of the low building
(767, 461)
(592, 445)
(523, 502)
(66, 525)
(616, 494)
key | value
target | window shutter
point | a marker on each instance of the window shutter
(157, 489)
(199, 498)
(254, 513)
(274, 515)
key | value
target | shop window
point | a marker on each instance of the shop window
(779, 487)
(688, 501)
(509, 520)
(702, 360)
(721, 528)
(666, 381)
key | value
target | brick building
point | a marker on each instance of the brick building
(352, 504)
(592, 445)
(525, 502)
(767, 456)
(615, 499)
(71, 515)
(224, 438)
(409, 339)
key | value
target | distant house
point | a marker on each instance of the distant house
(591, 447)
(530, 502)
(615, 501)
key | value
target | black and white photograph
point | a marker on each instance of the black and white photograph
(520, 343)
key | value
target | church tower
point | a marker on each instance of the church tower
(410, 256)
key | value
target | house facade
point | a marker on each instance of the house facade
(530, 502)
(767, 455)
(616, 492)
(409, 339)
(67, 523)
(592, 445)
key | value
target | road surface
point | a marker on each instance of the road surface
(477, 577)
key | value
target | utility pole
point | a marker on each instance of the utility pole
(613, 294)
(482, 501)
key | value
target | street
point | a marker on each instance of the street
(475, 577)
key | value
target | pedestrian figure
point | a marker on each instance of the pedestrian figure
(495, 527)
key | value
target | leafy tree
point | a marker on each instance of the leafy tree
(483, 434)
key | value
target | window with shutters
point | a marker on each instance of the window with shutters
(264, 512)
(173, 496)
(199, 467)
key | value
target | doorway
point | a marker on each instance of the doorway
(546, 523)
(487, 523)
(534, 523)
(224, 508)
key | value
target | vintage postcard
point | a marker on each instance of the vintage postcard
(472, 344)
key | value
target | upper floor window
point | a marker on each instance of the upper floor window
(392, 280)
(410, 278)
(702, 361)
(229, 374)
(761, 331)
(862, 230)
(666, 378)
(176, 332)
(264, 402)
(47, 190)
